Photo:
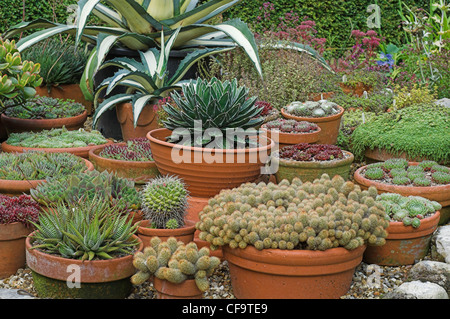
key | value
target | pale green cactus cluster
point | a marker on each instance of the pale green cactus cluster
(319, 215)
(175, 262)
(313, 108)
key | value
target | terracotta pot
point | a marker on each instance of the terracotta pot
(135, 216)
(138, 171)
(439, 193)
(320, 96)
(357, 90)
(12, 248)
(186, 290)
(184, 234)
(329, 125)
(381, 155)
(148, 120)
(207, 171)
(286, 139)
(66, 92)
(17, 125)
(291, 274)
(79, 151)
(309, 171)
(109, 279)
(405, 245)
(17, 188)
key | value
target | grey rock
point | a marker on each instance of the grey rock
(432, 271)
(445, 102)
(440, 244)
(14, 294)
(417, 290)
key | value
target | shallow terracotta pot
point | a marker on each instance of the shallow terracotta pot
(320, 96)
(66, 92)
(381, 155)
(357, 90)
(12, 248)
(309, 171)
(286, 139)
(291, 274)
(439, 193)
(184, 234)
(79, 151)
(98, 279)
(138, 171)
(17, 125)
(329, 125)
(186, 290)
(207, 171)
(405, 245)
(17, 188)
(148, 120)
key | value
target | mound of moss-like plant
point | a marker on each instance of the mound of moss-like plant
(421, 131)
(44, 107)
(57, 138)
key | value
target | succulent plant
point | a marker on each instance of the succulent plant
(318, 215)
(441, 177)
(311, 152)
(218, 105)
(427, 165)
(408, 209)
(421, 182)
(440, 168)
(44, 107)
(22, 209)
(266, 107)
(36, 165)
(85, 229)
(291, 126)
(374, 173)
(312, 109)
(175, 262)
(57, 138)
(395, 163)
(164, 198)
(136, 149)
(401, 180)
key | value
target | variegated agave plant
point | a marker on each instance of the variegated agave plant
(207, 110)
(137, 25)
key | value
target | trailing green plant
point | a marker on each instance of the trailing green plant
(85, 230)
(320, 108)
(43, 107)
(164, 198)
(61, 62)
(374, 102)
(349, 122)
(57, 138)
(108, 187)
(18, 209)
(403, 130)
(175, 262)
(407, 209)
(208, 109)
(38, 165)
(319, 215)
(135, 149)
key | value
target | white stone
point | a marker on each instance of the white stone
(441, 244)
(14, 294)
(419, 290)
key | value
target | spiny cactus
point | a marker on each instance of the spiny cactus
(175, 262)
(164, 198)
(318, 215)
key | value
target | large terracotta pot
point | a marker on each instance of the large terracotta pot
(309, 171)
(79, 151)
(439, 193)
(17, 188)
(148, 120)
(17, 125)
(66, 92)
(381, 155)
(286, 139)
(356, 90)
(138, 171)
(329, 125)
(320, 96)
(184, 234)
(207, 171)
(98, 279)
(186, 290)
(291, 274)
(12, 248)
(405, 245)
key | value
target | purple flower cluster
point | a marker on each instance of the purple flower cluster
(136, 150)
(311, 152)
(22, 209)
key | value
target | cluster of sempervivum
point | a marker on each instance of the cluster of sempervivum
(291, 126)
(267, 108)
(312, 108)
(137, 149)
(22, 209)
(399, 172)
(408, 209)
(175, 262)
(311, 152)
(319, 215)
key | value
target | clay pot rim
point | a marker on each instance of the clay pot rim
(201, 149)
(93, 153)
(320, 164)
(20, 230)
(314, 119)
(20, 149)
(397, 230)
(186, 289)
(374, 152)
(79, 117)
(86, 264)
(188, 228)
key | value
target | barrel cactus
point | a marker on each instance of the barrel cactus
(175, 262)
(164, 199)
(319, 215)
